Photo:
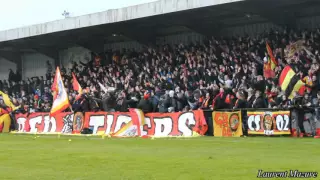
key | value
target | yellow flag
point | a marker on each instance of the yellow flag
(6, 121)
(7, 101)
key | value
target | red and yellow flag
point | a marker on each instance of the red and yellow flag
(8, 102)
(60, 101)
(272, 59)
(290, 82)
(268, 68)
(76, 86)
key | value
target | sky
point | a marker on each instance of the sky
(19, 13)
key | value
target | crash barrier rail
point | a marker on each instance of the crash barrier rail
(226, 122)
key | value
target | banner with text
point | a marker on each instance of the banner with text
(227, 124)
(115, 123)
(155, 124)
(43, 123)
(271, 122)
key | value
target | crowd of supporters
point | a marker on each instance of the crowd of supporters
(221, 73)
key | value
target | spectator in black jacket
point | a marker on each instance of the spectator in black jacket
(181, 102)
(122, 102)
(313, 87)
(81, 104)
(241, 103)
(15, 88)
(11, 76)
(162, 104)
(259, 101)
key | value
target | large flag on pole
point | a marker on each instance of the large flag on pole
(8, 102)
(270, 65)
(76, 86)
(290, 82)
(293, 48)
(60, 98)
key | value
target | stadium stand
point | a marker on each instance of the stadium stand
(186, 76)
(217, 73)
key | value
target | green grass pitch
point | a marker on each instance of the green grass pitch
(33, 157)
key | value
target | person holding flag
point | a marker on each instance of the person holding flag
(60, 96)
(81, 103)
(9, 108)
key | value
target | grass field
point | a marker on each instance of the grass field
(91, 158)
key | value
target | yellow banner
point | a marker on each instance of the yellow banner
(5, 122)
(227, 124)
(269, 122)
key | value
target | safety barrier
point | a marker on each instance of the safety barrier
(227, 122)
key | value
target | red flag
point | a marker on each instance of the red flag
(76, 86)
(270, 65)
(272, 59)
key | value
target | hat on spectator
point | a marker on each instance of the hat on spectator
(146, 95)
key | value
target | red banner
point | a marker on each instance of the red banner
(43, 123)
(156, 124)
(175, 124)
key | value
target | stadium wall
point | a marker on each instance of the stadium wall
(308, 22)
(4, 68)
(250, 29)
(74, 54)
(35, 64)
(184, 38)
(124, 45)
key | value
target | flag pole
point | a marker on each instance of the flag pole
(71, 108)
